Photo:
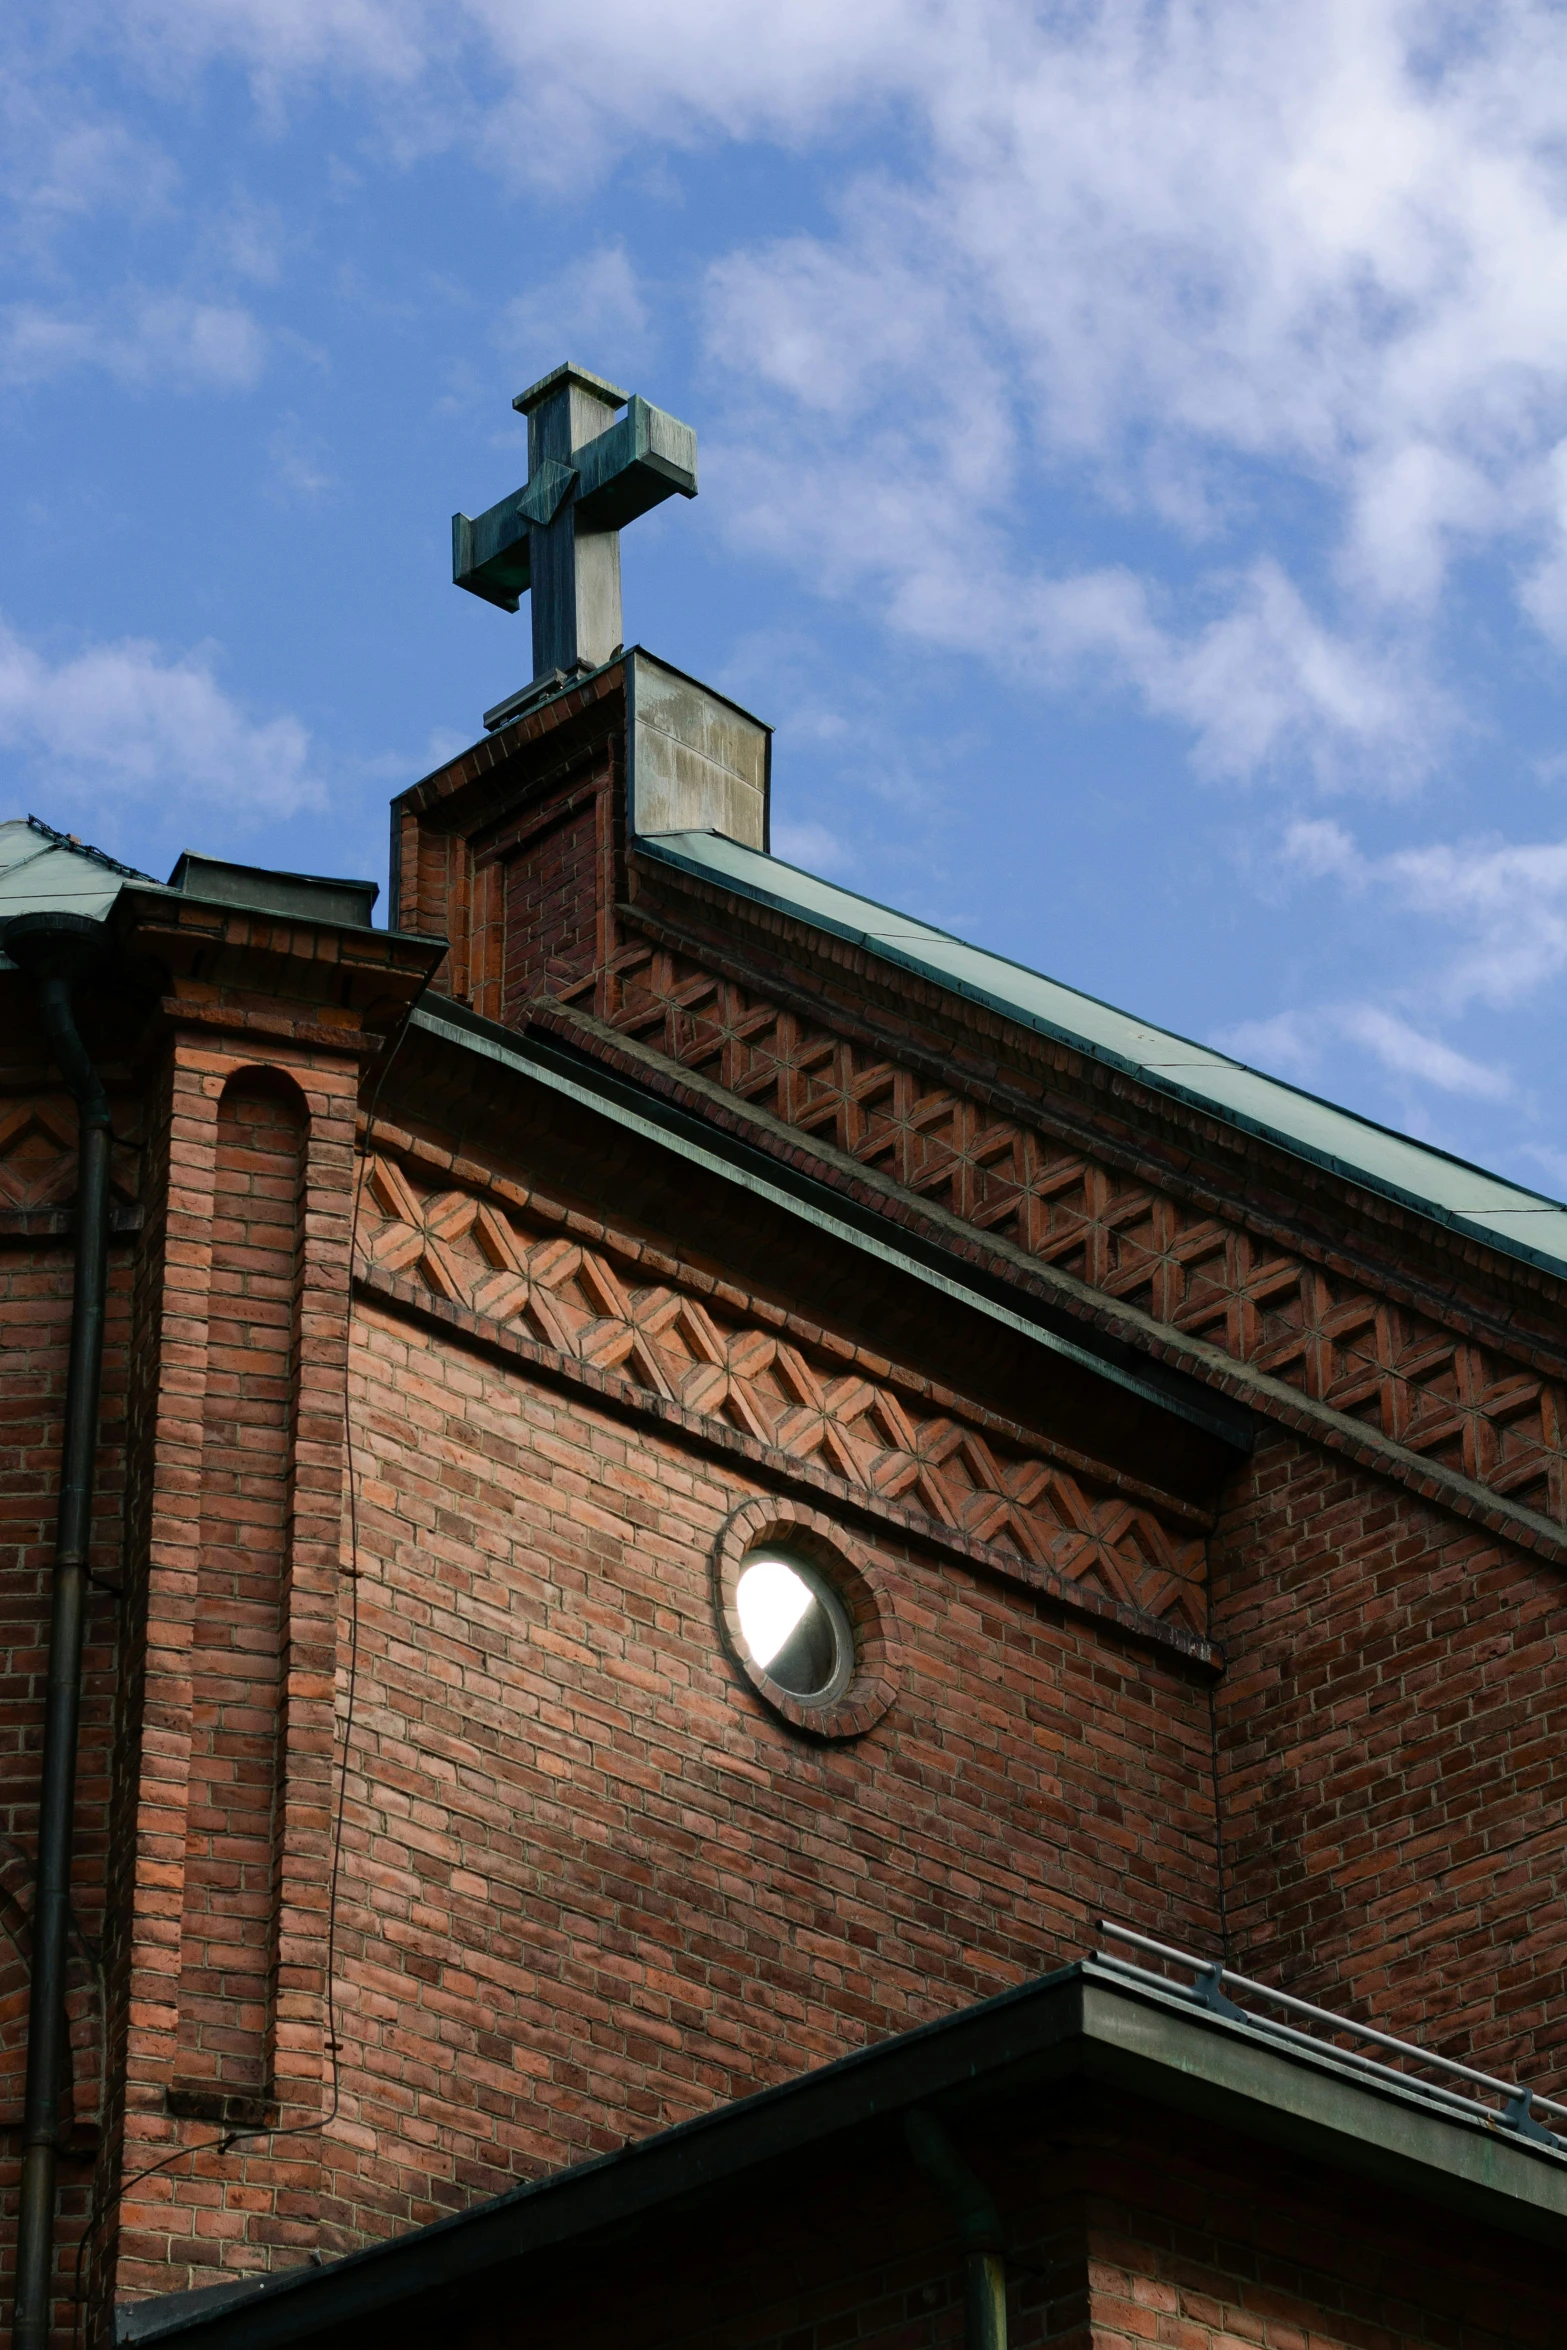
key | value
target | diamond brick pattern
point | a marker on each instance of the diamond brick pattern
(885, 1439)
(38, 1154)
(1436, 1393)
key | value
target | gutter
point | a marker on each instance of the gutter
(57, 949)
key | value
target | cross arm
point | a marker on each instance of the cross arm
(643, 458)
(490, 552)
(634, 464)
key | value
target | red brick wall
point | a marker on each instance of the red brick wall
(553, 889)
(479, 855)
(36, 1282)
(592, 1886)
(1196, 2239)
(227, 1949)
(1393, 1731)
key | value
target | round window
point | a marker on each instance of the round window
(795, 1628)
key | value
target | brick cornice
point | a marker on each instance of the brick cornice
(447, 795)
(160, 919)
(716, 1438)
(762, 948)
(1272, 1397)
(273, 1024)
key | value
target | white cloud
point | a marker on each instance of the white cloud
(811, 845)
(146, 340)
(74, 170)
(1294, 1044)
(1268, 681)
(126, 722)
(300, 474)
(1408, 1052)
(593, 306)
(1505, 903)
(62, 159)
(1289, 1044)
(1185, 259)
(1508, 903)
(1318, 847)
(562, 90)
(1261, 683)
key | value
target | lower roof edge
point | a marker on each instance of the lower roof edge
(1083, 2021)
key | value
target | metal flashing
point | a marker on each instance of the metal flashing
(694, 757)
(45, 871)
(309, 897)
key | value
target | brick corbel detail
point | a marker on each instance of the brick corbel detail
(153, 2239)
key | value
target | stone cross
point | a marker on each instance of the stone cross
(559, 536)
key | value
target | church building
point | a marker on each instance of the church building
(727, 1626)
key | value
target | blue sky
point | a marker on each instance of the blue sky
(1133, 442)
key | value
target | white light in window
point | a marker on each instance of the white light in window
(771, 1599)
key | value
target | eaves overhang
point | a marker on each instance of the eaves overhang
(801, 1196)
(1084, 2022)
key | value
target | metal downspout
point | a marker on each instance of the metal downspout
(56, 949)
(979, 2232)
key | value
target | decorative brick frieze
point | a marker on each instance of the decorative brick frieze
(735, 1367)
(38, 1153)
(1440, 1398)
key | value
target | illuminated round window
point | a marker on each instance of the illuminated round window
(795, 1628)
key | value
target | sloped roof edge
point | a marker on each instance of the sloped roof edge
(1451, 1191)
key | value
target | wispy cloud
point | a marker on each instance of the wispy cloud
(143, 339)
(127, 721)
(1156, 252)
(1298, 1045)
(300, 474)
(813, 846)
(1494, 921)
(1186, 258)
(1503, 904)
(594, 305)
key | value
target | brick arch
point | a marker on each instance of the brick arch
(228, 1940)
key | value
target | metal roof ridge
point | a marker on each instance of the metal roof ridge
(81, 848)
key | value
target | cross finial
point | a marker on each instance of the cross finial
(558, 537)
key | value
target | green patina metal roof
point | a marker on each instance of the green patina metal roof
(1525, 1223)
(41, 868)
(44, 871)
